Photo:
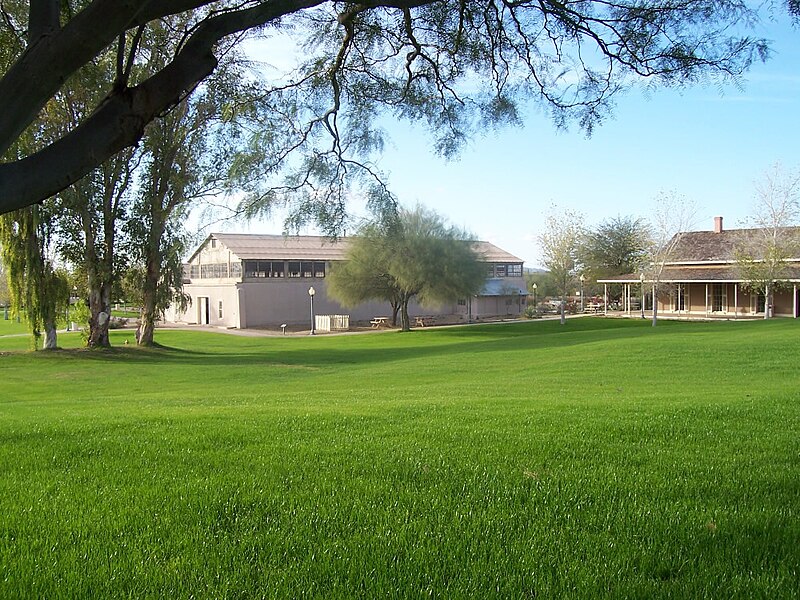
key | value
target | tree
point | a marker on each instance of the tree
(455, 66)
(38, 292)
(615, 247)
(561, 242)
(180, 164)
(5, 296)
(415, 256)
(674, 215)
(763, 253)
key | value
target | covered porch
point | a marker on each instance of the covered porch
(698, 295)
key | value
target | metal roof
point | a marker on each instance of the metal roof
(502, 287)
(249, 246)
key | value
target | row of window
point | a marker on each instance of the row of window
(298, 269)
(215, 271)
(513, 270)
(278, 268)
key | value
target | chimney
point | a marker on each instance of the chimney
(717, 224)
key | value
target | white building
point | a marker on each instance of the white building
(246, 280)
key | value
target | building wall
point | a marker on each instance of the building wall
(737, 301)
(272, 302)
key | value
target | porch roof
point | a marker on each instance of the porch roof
(502, 287)
(699, 274)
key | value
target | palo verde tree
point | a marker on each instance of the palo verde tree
(457, 66)
(560, 246)
(416, 256)
(763, 253)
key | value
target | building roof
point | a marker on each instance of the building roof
(250, 246)
(713, 247)
(283, 247)
(711, 256)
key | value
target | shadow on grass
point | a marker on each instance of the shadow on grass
(219, 349)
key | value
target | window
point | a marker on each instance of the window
(462, 301)
(263, 268)
(213, 243)
(719, 297)
(306, 268)
(500, 270)
(319, 269)
(294, 269)
(214, 271)
(490, 272)
(515, 270)
(220, 309)
(236, 269)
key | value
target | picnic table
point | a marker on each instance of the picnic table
(379, 321)
(424, 321)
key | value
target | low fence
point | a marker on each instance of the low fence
(332, 322)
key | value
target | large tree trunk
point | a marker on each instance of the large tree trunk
(99, 316)
(395, 311)
(50, 336)
(405, 322)
(563, 311)
(147, 317)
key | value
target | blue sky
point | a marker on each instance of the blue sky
(708, 144)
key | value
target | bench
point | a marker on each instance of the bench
(425, 321)
(379, 321)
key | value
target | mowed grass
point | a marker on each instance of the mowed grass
(602, 459)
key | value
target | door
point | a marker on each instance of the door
(203, 310)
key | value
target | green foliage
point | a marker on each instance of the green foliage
(616, 246)
(415, 255)
(485, 461)
(39, 293)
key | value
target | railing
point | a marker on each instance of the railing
(332, 322)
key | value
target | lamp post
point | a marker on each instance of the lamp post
(311, 292)
(533, 287)
(641, 280)
(583, 279)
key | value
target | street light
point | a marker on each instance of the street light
(582, 278)
(533, 287)
(311, 292)
(641, 280)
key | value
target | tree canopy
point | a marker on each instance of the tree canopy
(457, 66)
(415, 256)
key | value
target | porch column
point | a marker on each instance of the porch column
(706, 299)
(735, 300)
(605, 299)
(794, 308)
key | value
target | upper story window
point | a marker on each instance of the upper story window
(213, 243)
(513, 270)
(263, 268)
(293, 269)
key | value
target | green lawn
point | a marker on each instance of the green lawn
(600, 459)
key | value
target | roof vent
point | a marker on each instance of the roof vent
(717, 224)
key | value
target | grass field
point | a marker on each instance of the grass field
(602, 459)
